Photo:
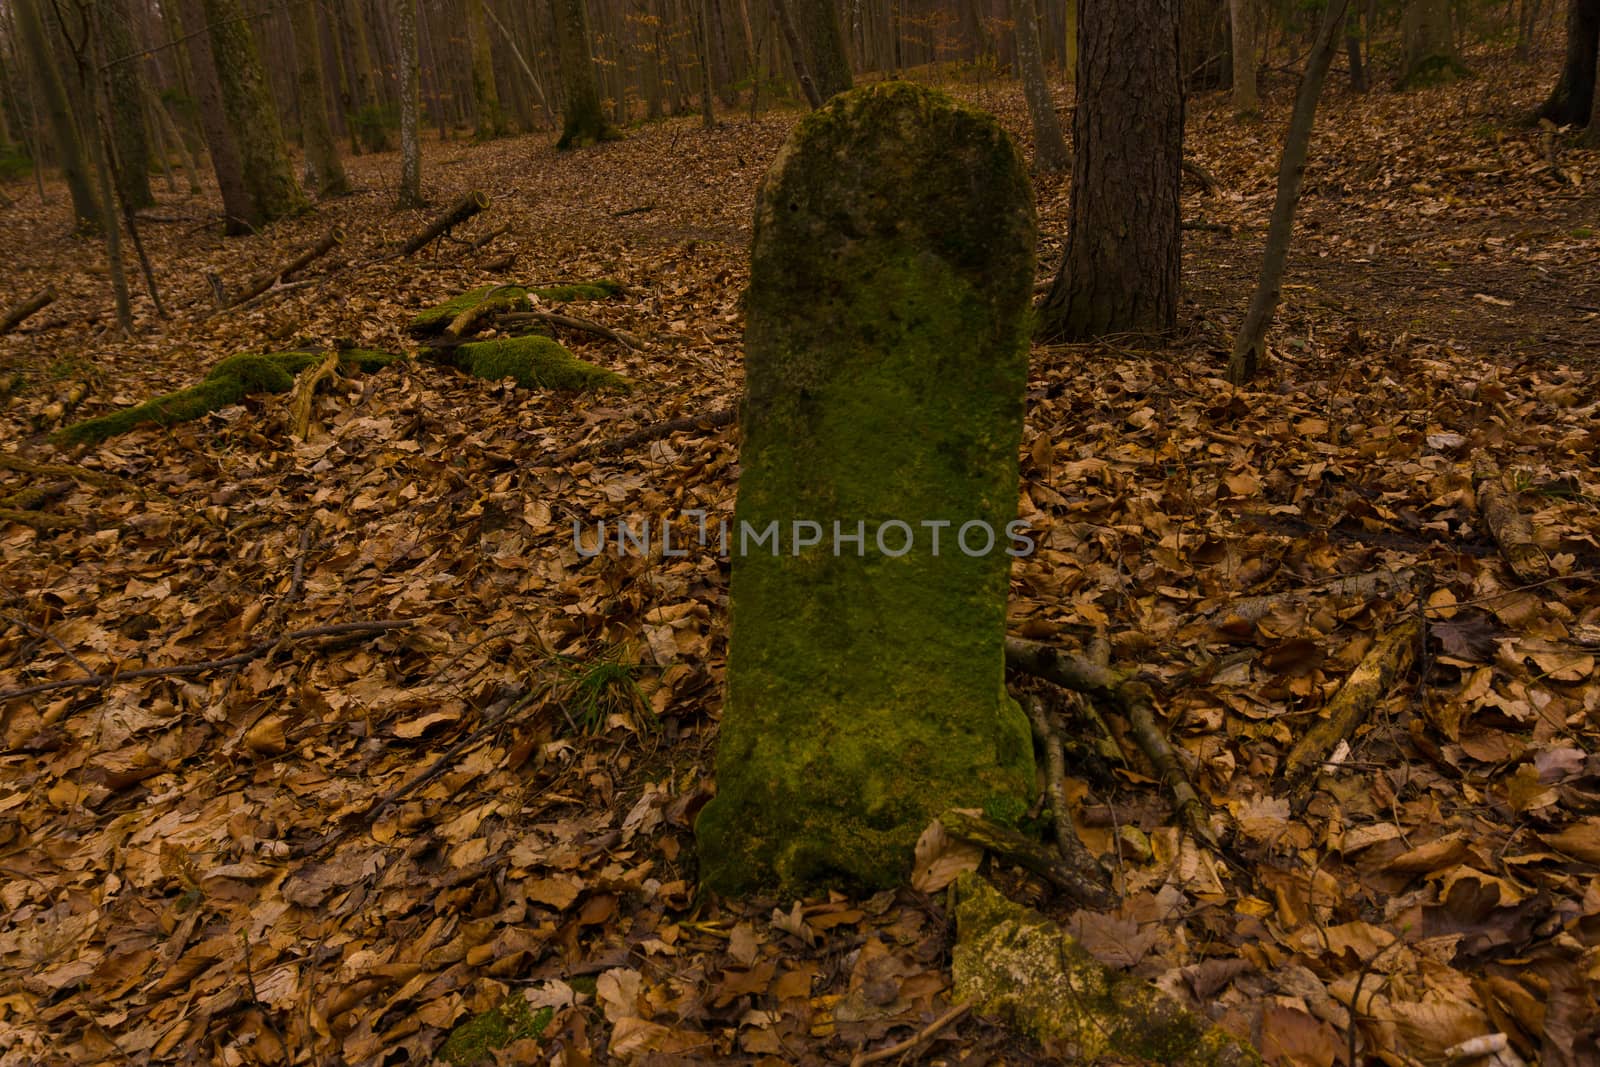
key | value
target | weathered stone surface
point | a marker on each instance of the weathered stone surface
(886, 365)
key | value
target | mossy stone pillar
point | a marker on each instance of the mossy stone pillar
(886, 357)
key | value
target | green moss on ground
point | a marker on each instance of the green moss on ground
(229, 382)
(535, 363)
(491, 298)
(599, 289)
(472, 1042)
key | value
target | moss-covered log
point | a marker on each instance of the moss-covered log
(534, 363)
(479, 303)
(886, 364)
(229, 382)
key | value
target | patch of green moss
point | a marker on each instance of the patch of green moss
(490, 298)
(1013, 963)
(535, 363)
(367, 360)
(472, 1042)
(599, 289)
(229, 382)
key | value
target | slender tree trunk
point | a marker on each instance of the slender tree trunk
(1050, 154)
(1572, 101)
(1121, 271)
(721, 56)
(58, 110)
(127, 102)
(698, 13)
(240, 212)
(1242, 18)
(1250, 345)
(324, 168)
(368, 115)
(784, 13)
(1352, 48)
(267, 172)
(191, 165)
(485, 97)
(582, 121)
(1069, 45)
(410, 105)
(516, 52)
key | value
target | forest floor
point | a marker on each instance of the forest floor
(339, 848)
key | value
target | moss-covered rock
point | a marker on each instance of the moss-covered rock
(473, 1041)
(535, 363)
(1014, 963)
(486, 298)
(229, 382)
(886, 365)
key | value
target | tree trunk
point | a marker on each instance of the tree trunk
(1572, 101)
(267, 173)
(127, 103)
(240, 213)
(721, 58)
(324, 169)
(708, 113)
(1251, 342)
(1428, 44)
(367, 115)
(1069, 47)
(817, 23)
(1242, 19)
(582, 121)
(1120, 273)
(485, 97)
(58, 110)
(410, 106)
(1050, 153)
(1352, 48)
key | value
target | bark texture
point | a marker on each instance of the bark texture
(1050, 153)
(1428, 44)
(1572, 101)
(817, 22)
(268, 176)
(1120, 274)
(240, 213)
(1242, 21)
(127, 103)
(410, 105)
(489, 118)
(324, 168)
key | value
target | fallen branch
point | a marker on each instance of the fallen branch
(1509, 527)
(455, 215)
(517, 318)
(861, 1059)
(1367, 684)
(1368, 585)
(18, 314)
(1067, 841)
(1086, 886)
(304, 395)
(1136, 701)
(486, 238)
(1207, 180)
(715, 420)
(262, 282)
(184, 669)
(40, 521)
(65, 470)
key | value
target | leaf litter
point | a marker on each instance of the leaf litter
(344, 846)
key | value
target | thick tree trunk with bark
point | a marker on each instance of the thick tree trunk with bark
(1249, 346)
(58, 112)
(1120, 273)
(240, 213)
(488, 117)
(1572, 102)
(582, 120)
(1242, 20)
(254, 120)
(1050, 153)
(127, 103)
(817, 23)
(324, 168)
(410, 106)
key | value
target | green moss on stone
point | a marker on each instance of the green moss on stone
(535, 363)
(473, 1041)
(600, 289)
(886, 366)
(1013, 963)
(489, 297)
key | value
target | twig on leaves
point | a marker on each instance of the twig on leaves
(861, 1059)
